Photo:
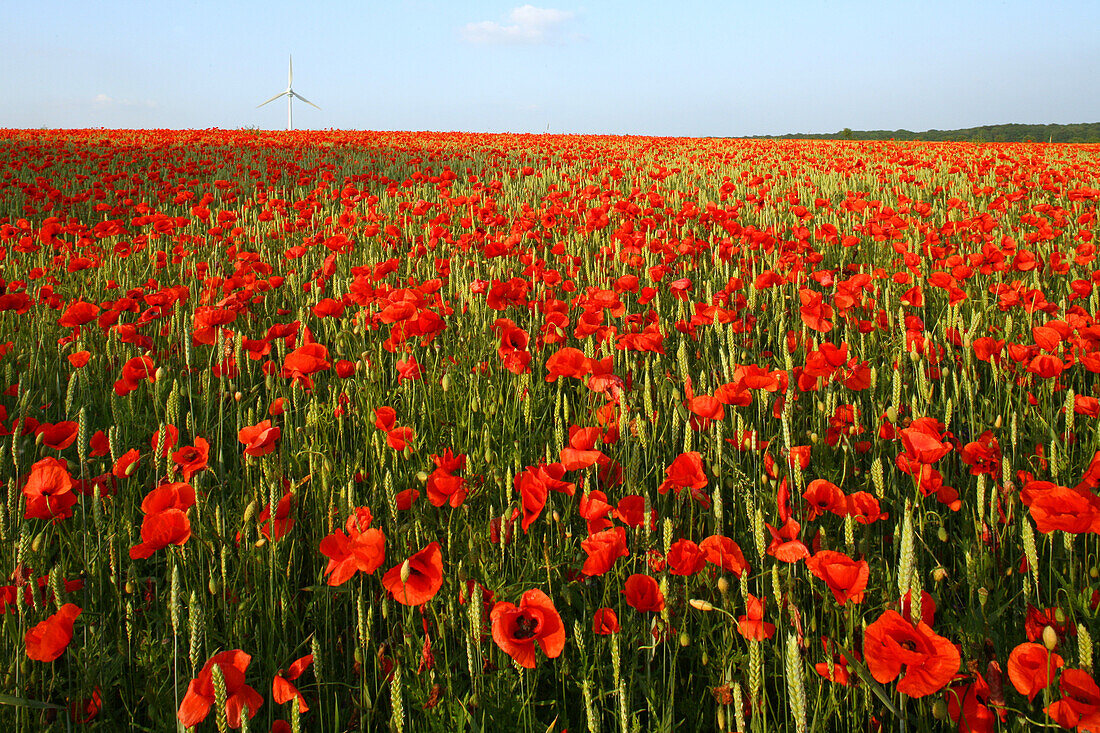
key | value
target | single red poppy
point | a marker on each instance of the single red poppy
(48, 640)
(259, 439)
(1031, 668)
(752, 625)
(604, 622)
(892, 643)
(282, 691)
(199, 699)
(686, 558)
(643, 593)
(415, 581)
(518, 629)
(603, 549)
(358, 548)
(846, 578)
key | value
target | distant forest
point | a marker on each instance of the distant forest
(1084, 132)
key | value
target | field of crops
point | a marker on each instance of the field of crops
(428, 432)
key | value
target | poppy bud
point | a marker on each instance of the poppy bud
(260, 543)
(130, 469)
(998, 422)
(128, 587)
(685, 638)
(939, 574)
(237, 396)
(158, 375)
(1094, 573)
(699, 605)
(1050, 637)
(723, 585)
(892, 414)
(939, 709)
(941, 534)
(1059, 616)
(446, 383)
(556, 516)
(983, 596)
(212, 586)
(422, 476)
(405, 572)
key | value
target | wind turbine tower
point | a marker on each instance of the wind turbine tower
(290, 95)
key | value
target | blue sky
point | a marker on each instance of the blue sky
(667, 67)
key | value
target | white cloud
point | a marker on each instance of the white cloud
(526, 25)
(102, 99)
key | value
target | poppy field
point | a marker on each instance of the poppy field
(333, 431)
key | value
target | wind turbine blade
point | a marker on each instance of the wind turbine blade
(271, 100)
(299, 96)
(290, 74)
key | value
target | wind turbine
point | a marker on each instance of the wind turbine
(290, 95)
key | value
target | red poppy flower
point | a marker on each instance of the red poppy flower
(643, 593)
(192, 459)
(752, 625)
(835, 669)
(686, 558)
(1056, 507)
(166, 522)
(259, 439)
(444, 488)
(133, 372)
(358, 548)
(1080, 703)
(99, 444)
(48, 640)
(725, 553)
(604, 622)
(304, 362)
(48, 491)
(846, 578)
(58, 436)
(567, 362)
(282, 691)
(1031, 668)
(603, 549)
(415, 581)
(197, 702)
(126, 464)
(824, 496)
(385, 418)
(892, 642)
(686, 470)
(408, 369)
(399, 438)
(78, 313)
(785, 545)
(864, 508)
(982, 455)
(535, 621)
(283, 521)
